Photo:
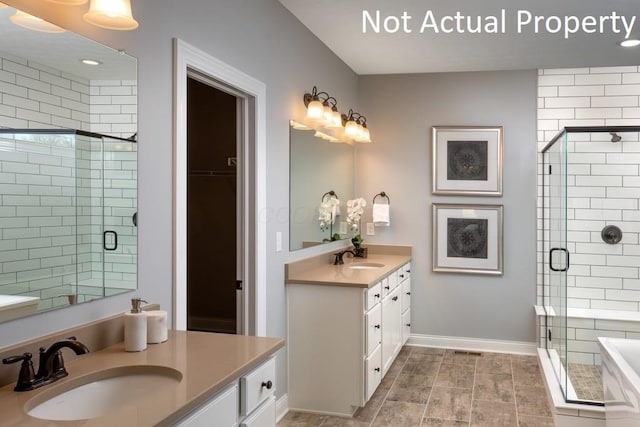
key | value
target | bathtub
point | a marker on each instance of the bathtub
(14, 306)
(621, 378)
(584, 327)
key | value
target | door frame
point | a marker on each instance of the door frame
(187, 58)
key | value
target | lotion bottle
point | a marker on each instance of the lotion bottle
(135, 327)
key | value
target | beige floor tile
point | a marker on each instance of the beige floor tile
(531, 421)
(435, 422)
(493, 414)
(369, 411)
(494, 387)
(532, 401)
(301, 419)
(449, 404)
(460, 357)
(395, 414)
(492, 363)
(343, 422)
(411, 388)
(428, 350)
(460, 376)
(421, 366)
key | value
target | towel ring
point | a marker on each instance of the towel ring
(330, 194)
(382, 194)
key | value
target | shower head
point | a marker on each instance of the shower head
(615, 137)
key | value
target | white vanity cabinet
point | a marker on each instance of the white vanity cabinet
(342, 339)
(248, 402)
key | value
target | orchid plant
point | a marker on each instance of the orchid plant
(327, 212)
(355, 209)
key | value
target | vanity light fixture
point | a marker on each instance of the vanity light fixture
(355, 127)
(111, 14)
(630, 43)
(315, 107)
(2, 5)
(31, 22)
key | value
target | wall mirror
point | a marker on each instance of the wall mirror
(68, 170)
(316, 167)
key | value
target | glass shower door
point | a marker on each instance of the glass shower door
(556, 256)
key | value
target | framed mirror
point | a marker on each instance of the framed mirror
(316, 168)
(68, 170)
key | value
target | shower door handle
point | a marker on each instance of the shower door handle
(115, 240)
(551, 259)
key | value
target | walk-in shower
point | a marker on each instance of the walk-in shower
(68, 222)
(589, 256)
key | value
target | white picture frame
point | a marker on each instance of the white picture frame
(468, 238)
(467, 160)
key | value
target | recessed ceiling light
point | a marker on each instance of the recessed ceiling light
(630, 43)
(90, 62)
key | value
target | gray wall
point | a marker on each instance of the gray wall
(260, 38)
(400, 111)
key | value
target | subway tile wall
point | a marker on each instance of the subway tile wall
(42, 180)
(603, 182)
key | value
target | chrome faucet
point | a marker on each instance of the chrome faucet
(51, 367)
(338, 260)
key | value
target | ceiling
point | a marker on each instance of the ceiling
(338, 24)
(63, 51)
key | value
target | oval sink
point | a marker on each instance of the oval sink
(366, 265)
(101, 393)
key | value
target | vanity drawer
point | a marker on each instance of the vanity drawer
(404, 272)
(374, 295)
(264, 416)
(393, 280)
(406, 294)
(373, 366)
(386, 286)
(374, 328)
(257, 386)
(221, 411)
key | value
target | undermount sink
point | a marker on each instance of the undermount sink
(366, 266)
(101, 393)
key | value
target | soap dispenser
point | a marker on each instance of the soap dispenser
(135, 327)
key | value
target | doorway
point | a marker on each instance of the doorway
(214, 202)
(191, 61)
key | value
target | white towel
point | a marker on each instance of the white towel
(381, 215)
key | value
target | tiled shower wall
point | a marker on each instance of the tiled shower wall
(38, 182)
(603, 182)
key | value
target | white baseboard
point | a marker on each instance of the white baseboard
(473, 344)
(282, 407)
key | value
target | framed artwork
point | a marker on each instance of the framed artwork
(467, 238)
(467, 160)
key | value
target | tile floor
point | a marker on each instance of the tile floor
(587, 381)
(435, 387)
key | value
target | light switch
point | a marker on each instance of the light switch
(371, 230)
(278, 241)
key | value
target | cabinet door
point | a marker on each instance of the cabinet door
(374, 328)
(406, 326)
(257, 386)
(264, 416)
(374, 295)
(391, 328)
(221, 410)
(406, 294)
(373, 366)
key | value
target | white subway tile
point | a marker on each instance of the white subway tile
(624, 158)
(631, 113)
(585, 293)
(593, 334)
(614, 69)
(595, 181)
(623, 260)
(598, 248)
(19, 266)
(582, 91)
(614, 169)
(622, 295)
(614, 305)
(599, 79)
(551, 71)
(622, 90)
(624, 272)
(614, 203)
(599, 282)
(557, 113)
(19, 69)
(628, 192)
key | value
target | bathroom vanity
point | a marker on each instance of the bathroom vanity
(207, 379)
(346, 325)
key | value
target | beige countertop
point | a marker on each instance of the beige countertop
(208, 363)
(312, 272)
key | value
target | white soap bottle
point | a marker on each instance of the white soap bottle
(135, 327)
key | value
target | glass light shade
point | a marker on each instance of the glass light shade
(315, 110)
(31, 22)
(365, 136)
(327, 114)
(351, 129)
(335, 121)
(111, 14)
(2, 5)
(69, 2)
